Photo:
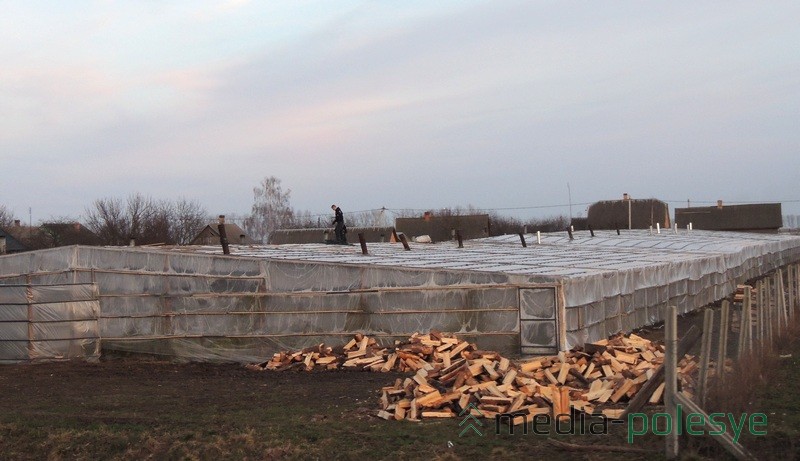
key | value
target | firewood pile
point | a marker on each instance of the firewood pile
(452, 375)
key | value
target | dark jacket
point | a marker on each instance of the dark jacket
(339, 218)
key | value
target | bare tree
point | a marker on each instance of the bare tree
(271, 209)
(148, 221)
(6, 217)
(156, 225)
(108, 219)
(189, 219)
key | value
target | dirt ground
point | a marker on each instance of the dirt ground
(141, 408)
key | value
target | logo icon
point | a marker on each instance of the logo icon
(470, 420)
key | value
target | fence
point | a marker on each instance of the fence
(764, 314)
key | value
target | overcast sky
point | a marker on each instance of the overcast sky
(412, 104)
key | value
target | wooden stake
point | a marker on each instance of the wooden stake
(790, 289)
(760, 310)
(740, 345)
(670, 377)
(782, 300)
(768, 309)
(705, 353)
(723, 340)
(363, 243)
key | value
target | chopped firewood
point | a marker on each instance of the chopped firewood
(530, 366)
(656, 397)
(438, 414)
(622, 390)
(613, 413)
(447, 375)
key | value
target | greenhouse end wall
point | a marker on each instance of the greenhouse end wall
(204, 307)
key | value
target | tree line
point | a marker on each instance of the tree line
(115, 221)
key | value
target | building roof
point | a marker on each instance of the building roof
(557, 257)
(233, 232)
(13, 245)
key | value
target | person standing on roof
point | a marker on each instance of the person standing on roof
(340, 230)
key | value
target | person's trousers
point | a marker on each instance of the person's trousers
(339, 230)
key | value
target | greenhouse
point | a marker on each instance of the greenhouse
(520, 295)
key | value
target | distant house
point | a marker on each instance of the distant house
(62, 234)
(443, 228)
(628, 213)
(50, 235)
(750, 217)
(210, 236)
(9, 243)
(26, 236)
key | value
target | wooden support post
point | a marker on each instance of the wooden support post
(768, 309)
(740, 344)
(458, 237)
(781, 294)
(790, 290)
(671, 378)
(747, 308)
(569, 232)
(760, 310)
(522, 239)
(797, 285)
(31, 335)
(724, 439)
(404, 242)
(591, 231)
(705, 354)
(363, 243)
(723, 340)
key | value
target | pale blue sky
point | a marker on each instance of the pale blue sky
(400, 104)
